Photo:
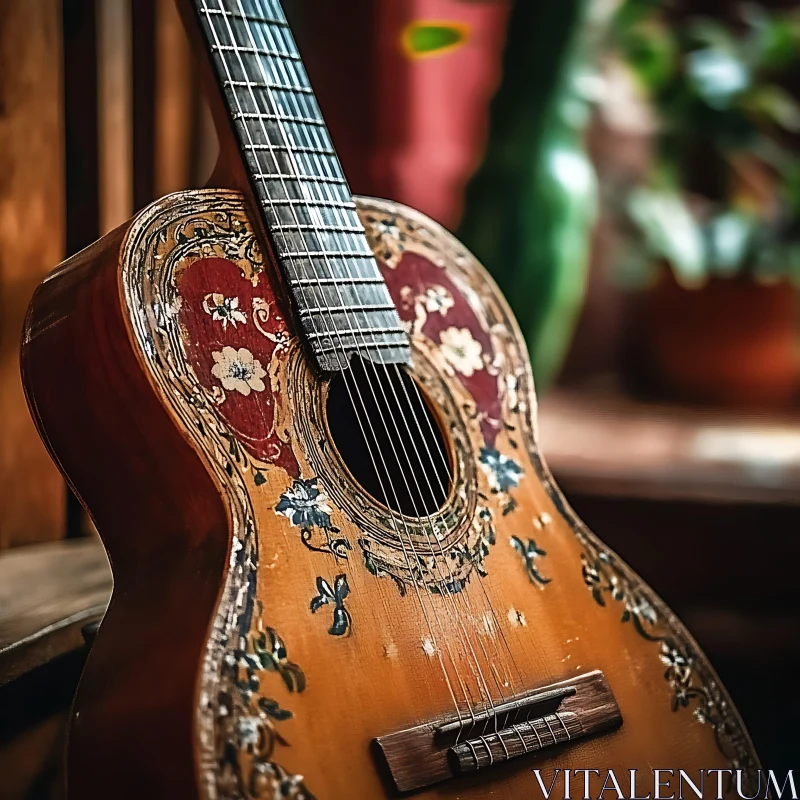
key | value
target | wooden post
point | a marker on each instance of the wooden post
(32, 499)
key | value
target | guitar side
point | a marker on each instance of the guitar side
(221, 509)
(132, 730)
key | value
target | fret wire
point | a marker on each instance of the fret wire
(322, 228)
(331, 281)
(311, 190)
(276, 117)
(334, 243)
(274, 86)
(339, 276)
(303, 178)
(287, 148)
(340, 309)
(254, 51)
(328, 254)
(247, 17)
(295, 201)
(299, 171)
(366, 347)
(321, 215)
(312, 166)
(357, 331)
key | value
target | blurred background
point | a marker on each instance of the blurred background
(629, 171)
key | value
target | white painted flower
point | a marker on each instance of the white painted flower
(437, 298)
(305, 505)
(237, 370)
(248, 730)
(387, 227)
(462, 350)
(224, 309)
(280, 339)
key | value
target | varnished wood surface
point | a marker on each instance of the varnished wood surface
(137, 693)
(32, 500)
(610, 445)
(48, 593)
(168, 514)
(31, 764)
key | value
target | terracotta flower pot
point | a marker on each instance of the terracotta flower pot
(732, 342)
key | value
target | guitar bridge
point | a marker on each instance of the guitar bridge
(553, 715)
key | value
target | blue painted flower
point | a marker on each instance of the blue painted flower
(306, 506)
(503, 472)
(530, 552)
(248, 732)
(336, 595)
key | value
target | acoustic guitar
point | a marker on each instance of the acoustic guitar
(304, 425)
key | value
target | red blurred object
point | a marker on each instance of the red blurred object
(411, 129)
(732, 342)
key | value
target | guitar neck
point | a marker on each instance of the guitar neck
(339, 294)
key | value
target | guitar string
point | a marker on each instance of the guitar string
(447, 467)
(464, 595)
(461, 595)
(450, 477)
(483, 587)
(291, 206)
(482, 680)
(441, 455)
(430, 458)
(480, 673)
(448, 588)
(358, 349)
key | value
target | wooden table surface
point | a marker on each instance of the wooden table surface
(48, 593)
(608, 445)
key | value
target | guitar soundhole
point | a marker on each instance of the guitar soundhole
(388, 438)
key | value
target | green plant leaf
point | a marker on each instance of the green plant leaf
(670, 232)
(730, 237)
(776, 104)
(650, 51)
(422, 39)
(775, 37)
(717, 75)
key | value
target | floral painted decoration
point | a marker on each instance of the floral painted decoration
(307, 507)
(462, 350)
(336, 595)
(684, 673)
(253, 718)
(504, 473)
(437, 299)
(238, 371)
(224, 309)
(222, 305)
(530, 552)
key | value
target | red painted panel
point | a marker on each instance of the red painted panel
(425, 295)
(232, 331)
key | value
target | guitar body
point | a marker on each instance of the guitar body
(271, 623)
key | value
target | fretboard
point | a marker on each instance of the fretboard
(338, 291)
